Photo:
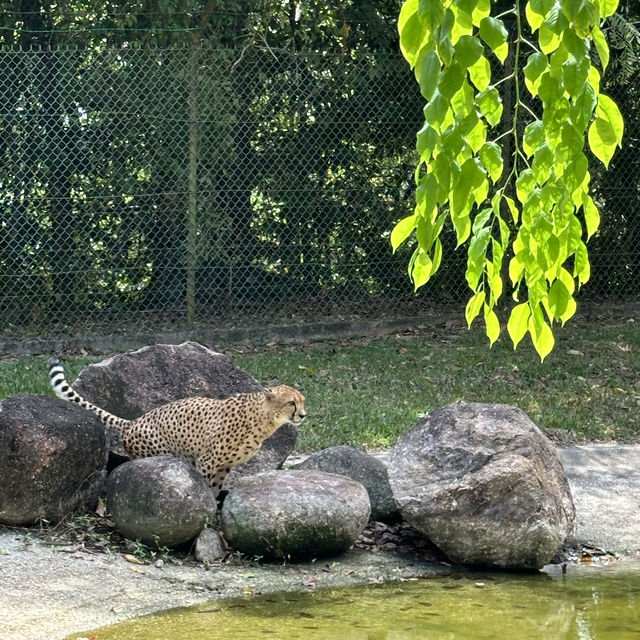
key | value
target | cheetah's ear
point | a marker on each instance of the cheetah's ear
(270, 393)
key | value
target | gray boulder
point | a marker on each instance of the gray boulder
(53, 458)
(130, 384)
(365, 469)
(484, 484)
(294, 514)
(160, 500)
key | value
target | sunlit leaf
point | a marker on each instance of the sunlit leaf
(492, 324)
(518, 323)
(402, 231)
(473, 307)
(422, 269)
(601, 46)
(480, 73)
(591, 215)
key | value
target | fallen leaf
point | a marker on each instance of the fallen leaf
(130, 558)
(139, 570)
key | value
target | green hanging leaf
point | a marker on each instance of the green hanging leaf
(480, 73)
(549, 40)
(541, 334)
(402, 231)
(422, 269)
(481, 11)
(583, 106)
(431, 13)
(608, 7)
(536, 65)
(601, 46)
(536, 11)
(533, 136)
(494, 33)
(426, 141)
(518, 323)
(608, 110)
(436, 110)
(412, 31)
(591, 215)
(473, 307)
(451, 81)
(602, 140)
(582, 268)
(427, 72)
(467, 50)
(437, 254)
(558, 299)
(491, 157)
(492, 324)
(490, 105)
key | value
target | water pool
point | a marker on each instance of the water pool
(586, 604)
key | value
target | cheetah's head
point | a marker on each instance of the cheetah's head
(287, 405)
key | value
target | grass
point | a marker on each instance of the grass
(367, 392)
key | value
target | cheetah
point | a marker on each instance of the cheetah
(213, 435)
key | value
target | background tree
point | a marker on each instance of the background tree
(245, 157)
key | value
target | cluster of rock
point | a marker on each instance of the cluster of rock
(480, 481)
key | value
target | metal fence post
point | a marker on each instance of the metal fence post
(192, 205)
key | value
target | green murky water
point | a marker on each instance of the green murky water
(586, 605)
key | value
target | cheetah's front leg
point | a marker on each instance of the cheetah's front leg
(207, 466)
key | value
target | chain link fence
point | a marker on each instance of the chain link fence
(184, 186)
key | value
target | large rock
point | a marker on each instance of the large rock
(160, 500)
(294, 514)
(130, 384)
(484, 484)
(52, 459)
(365, 469)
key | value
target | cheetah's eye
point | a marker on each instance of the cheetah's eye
(291, 404)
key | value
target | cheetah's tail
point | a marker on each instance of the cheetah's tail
(64, 390)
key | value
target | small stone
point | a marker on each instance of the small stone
(209, 546)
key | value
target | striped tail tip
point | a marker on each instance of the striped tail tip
(57, 379)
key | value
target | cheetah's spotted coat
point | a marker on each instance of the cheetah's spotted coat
(214, 435)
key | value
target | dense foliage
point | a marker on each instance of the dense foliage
(520, 192)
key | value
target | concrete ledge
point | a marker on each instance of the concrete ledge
(211, 336)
